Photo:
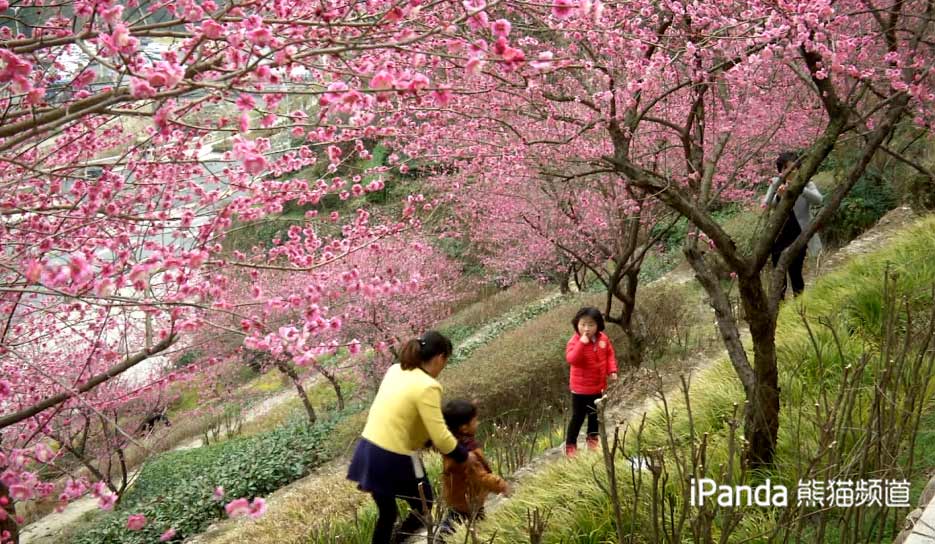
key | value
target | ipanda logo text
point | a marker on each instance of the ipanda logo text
(765, 494)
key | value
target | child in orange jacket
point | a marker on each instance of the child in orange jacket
(465, 486)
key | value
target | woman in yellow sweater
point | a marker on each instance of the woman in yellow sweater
(404, 416)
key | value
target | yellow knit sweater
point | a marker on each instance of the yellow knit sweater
(407, 412)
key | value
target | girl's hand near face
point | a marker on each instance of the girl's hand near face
(585, 339)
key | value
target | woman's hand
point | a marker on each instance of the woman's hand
(612, 377)
(585, 339)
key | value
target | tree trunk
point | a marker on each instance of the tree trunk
(579, 276)
(631, 356)
(87, 463)
(333, 379)
(8, 521)
(761, 419)
(761, 380)
(297, 382)
(631, 353)
(124, 474)
(564, 278)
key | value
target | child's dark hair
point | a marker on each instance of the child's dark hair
(458, 412)
(785, 158)
(421, 350)
(593, 313)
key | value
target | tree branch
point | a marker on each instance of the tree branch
(93, 382)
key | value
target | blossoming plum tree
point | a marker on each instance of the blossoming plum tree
(567, 218)
(690, 103)
(113, 202)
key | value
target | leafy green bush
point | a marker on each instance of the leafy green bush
(188, 358)
(176, 489)
(457, 333)
(658, 263)
(465, 251)
(920, 192)
(869, 199)
(508, 321)
(491, 303)
(676, 235)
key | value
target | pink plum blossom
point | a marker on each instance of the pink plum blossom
(563, 9)
(136, 522)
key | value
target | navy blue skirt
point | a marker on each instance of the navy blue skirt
(383, 472)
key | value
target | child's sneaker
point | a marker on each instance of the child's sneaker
(593, 443)
(571, 450)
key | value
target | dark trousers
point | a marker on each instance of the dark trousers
(446, 527)
(790, 231)
(582, 406)
(387, 514)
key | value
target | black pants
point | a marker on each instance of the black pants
(790, 231)
(446, 527)
(387, 514)
(582, 406)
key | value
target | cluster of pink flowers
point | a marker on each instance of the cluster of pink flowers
(250, 153)
(106, 499)
(243, 507)
(162, 75)
(16, 70)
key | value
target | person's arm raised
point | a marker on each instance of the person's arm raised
(812, 194)
(771, 192)
(574, 350)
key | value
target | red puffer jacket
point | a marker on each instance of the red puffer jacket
(590, 364)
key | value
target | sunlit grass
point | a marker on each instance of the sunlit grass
(853, 295)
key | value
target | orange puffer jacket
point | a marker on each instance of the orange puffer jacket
(466, 485)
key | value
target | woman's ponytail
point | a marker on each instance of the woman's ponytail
(409, 356)
(421, 350)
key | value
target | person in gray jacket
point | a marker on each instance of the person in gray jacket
(798, 220)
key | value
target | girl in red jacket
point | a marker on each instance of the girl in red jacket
(591, 357)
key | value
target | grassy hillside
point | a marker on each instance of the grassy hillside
(848, 321)
(519, 378)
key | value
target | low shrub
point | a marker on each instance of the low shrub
(658, 263)
(175, 490)
(667, 316)
(508, 321)
(491, 307)
(514, 372)
(919, 190)
(744, 227)
(868, 201)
